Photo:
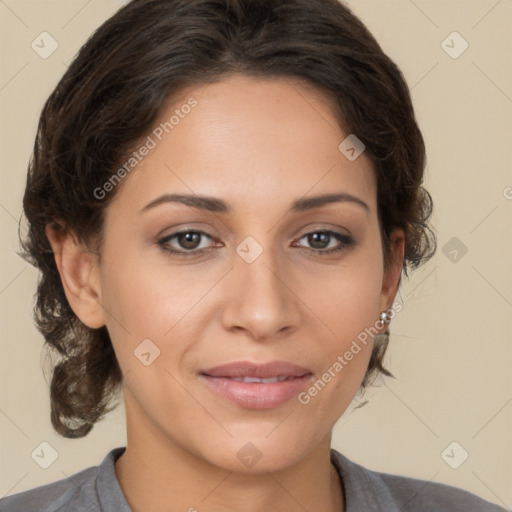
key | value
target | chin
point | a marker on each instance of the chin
(258, 453)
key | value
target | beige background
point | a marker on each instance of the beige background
(451, 347)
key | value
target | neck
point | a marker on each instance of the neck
(155, 473)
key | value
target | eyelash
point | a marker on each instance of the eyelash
(346, 240)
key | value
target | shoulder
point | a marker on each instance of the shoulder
(383, 491)
(76, 493)
(426, 495)
(66, 494)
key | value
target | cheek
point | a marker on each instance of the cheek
(139, 292)
(346, 304)
(128, 294)
(346, 297)
(150, 300)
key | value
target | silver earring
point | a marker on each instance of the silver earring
(384, 317)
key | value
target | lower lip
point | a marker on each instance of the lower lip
(257, 395)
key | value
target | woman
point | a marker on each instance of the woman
(222, 198)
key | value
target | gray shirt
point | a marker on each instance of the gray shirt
(96, 489)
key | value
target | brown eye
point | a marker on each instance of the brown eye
(188, 242)
(319, 240)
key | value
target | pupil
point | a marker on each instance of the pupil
(316, 237)
(189, 240)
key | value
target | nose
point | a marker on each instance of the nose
(260, 297)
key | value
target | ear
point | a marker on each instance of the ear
(392, 274)
(79, 273)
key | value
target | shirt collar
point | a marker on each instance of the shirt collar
(363, 488)
(110, 494)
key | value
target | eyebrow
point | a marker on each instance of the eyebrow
(216, 205)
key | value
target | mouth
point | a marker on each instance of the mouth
(257, 386)
(269, 380)
(270, 370)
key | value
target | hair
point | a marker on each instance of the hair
(112, 93)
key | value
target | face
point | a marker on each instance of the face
(253, 278)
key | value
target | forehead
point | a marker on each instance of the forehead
(247, 138)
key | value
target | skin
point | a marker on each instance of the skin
(258, 144)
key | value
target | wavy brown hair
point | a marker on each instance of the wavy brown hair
(113, 91)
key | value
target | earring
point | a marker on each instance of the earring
(384, 317)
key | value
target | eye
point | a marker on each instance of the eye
(188, 240)
(319, 240)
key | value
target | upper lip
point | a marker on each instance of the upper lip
(260, 371)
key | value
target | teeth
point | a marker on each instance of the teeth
(264, 381)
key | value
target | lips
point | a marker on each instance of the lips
(246, 369)
(257, 386)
